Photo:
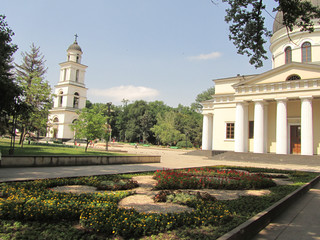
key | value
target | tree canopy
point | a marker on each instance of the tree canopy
(9, 90)
(153, 122)
(247, 23)
(90, 125)
(32, 62)
(203, 96)
(165, 129)
(36, 90)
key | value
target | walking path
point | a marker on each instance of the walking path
(300, 221)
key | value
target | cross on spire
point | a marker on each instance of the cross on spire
(75, 38)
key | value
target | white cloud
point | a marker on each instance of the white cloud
(117, 94)
(213, 55)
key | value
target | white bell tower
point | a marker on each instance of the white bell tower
(71, 95)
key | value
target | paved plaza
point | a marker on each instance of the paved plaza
(170, 158)
(300, 221)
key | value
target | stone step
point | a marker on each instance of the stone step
(268, 158)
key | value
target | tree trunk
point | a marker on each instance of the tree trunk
(87, 146)
(38, 135)
(22, 138)
(21, 135)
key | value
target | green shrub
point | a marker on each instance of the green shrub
(122, 184)
(181, 198)
(182, 144)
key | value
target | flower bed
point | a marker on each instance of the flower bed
(212, 179)
(99, 214)
(35, 200)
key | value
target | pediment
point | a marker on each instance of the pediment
(280, 74)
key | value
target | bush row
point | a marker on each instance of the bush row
(176, 179)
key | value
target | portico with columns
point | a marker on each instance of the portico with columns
(264, 117)
(277, 111)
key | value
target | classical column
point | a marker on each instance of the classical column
(265, 129)
(259, 128)
(306, 126)
(282, 128)
(207, 132)
(210, 134)
(241, 127)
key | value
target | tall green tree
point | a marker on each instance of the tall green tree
(165, 129)
(201, 97)
(247, 23)
(38, 97)
(37, 91)
(10, 92)
(32, 63)
(90, 125)
(189, 123)
(138, 121)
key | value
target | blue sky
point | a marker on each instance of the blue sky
(168, 50)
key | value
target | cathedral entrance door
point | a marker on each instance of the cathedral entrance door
(295, 139)
(55, 133)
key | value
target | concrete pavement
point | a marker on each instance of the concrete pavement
(300, 221)
(170, 158)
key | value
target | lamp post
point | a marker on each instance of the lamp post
(108, 126)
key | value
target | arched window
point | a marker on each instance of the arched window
(56, 120)
(60, 99)
(76, 100)
(306, 52)
(288, 55)
(293, 77)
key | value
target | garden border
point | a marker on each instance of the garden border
(254, 225)
(73, 160)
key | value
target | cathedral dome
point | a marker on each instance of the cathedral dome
(278, 21)
(75, 46)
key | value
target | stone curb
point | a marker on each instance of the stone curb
(250, 228)
(74, 160)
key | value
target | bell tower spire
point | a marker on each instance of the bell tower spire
(71, 94)
(76, 38)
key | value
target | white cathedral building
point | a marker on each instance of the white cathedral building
(71, 95)
(277, 111)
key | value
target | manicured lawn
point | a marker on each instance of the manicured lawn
(49, 149)
(31, 210)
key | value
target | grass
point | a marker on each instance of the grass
(241, 209)
(47, 150)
